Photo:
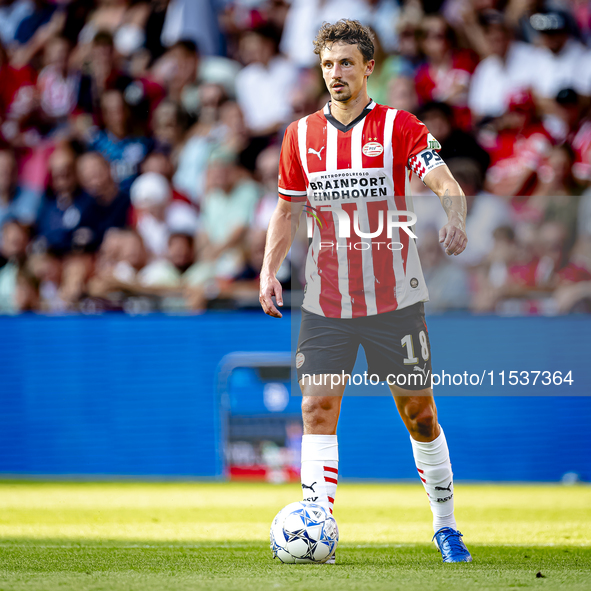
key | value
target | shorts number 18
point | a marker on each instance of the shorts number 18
(407, 342)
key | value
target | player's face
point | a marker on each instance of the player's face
(344, 70)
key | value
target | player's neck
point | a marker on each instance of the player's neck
(346, 112)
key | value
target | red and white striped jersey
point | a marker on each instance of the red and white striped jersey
(364, 170)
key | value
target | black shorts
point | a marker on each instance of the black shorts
(396, 346)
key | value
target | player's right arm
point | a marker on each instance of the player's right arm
(285, 220)
(282, 228)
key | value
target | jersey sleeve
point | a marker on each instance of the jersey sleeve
(421, 147)
(292, 182)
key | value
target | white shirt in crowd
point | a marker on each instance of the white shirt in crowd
(570, 68)
(495, 79)
(262, 90)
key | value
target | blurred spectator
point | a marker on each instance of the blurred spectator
(227, 210)
(264, 82)
(305, 17)
(27, 295)
(189, 177)
(494, 270)
(58, 87)
(101, 74)
(485, 212)
(570, 125)
(122, 272)
(153, 29)
(47, 267)
(121, 257)
(267, 166)
(446, 74)
(521, 146)
(168, 272)
(403, 95)
(161, 163)
(220, 71)
(576, 296)
(455, 143)
(582, 14)
(187, 19)
(548, 268)
(42, 12)
(17, 98)
(13, 244)
(408, 27)
(511, 66)
(116, 143)
(132, 256)
(235, 138)
(223, 126)
(557, 192)
(157, 215)
(107, 16)
(12, 13)
(386, 70)
(109, 206)
(64, 203)
(16, 202)
(177, 70)
(564, 61)
(584, 215)
(130, 35)
(242, 290)
(447, 281)
(169, 124)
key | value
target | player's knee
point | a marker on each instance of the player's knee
(421, 418)
(426, 423)
(317, 410)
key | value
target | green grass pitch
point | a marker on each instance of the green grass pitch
(164, 536)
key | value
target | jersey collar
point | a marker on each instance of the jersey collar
(346, 128)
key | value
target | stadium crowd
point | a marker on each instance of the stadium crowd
(139, 145)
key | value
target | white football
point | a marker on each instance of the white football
(304, 532)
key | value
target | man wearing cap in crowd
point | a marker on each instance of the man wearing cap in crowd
(564, 62)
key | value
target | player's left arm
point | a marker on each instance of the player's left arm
(453, 234)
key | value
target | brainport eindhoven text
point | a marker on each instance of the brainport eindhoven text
(356, 186)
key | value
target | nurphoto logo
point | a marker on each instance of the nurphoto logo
(390, 219)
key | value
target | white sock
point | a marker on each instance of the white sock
(320, 469)
(432, 460)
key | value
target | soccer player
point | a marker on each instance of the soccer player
(349, 165)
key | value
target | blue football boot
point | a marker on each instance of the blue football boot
(449, 543)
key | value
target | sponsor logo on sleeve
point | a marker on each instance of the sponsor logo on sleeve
(432, 143)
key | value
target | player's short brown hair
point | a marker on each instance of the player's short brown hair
(345, 31)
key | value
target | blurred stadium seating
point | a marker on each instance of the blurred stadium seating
(130, 129)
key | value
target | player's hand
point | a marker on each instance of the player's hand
(453, 237)
(271, 287)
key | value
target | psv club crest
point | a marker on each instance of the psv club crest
(373, 149)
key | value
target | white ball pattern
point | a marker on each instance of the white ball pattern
(303, 533)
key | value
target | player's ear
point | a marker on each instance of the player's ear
(369, 66)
